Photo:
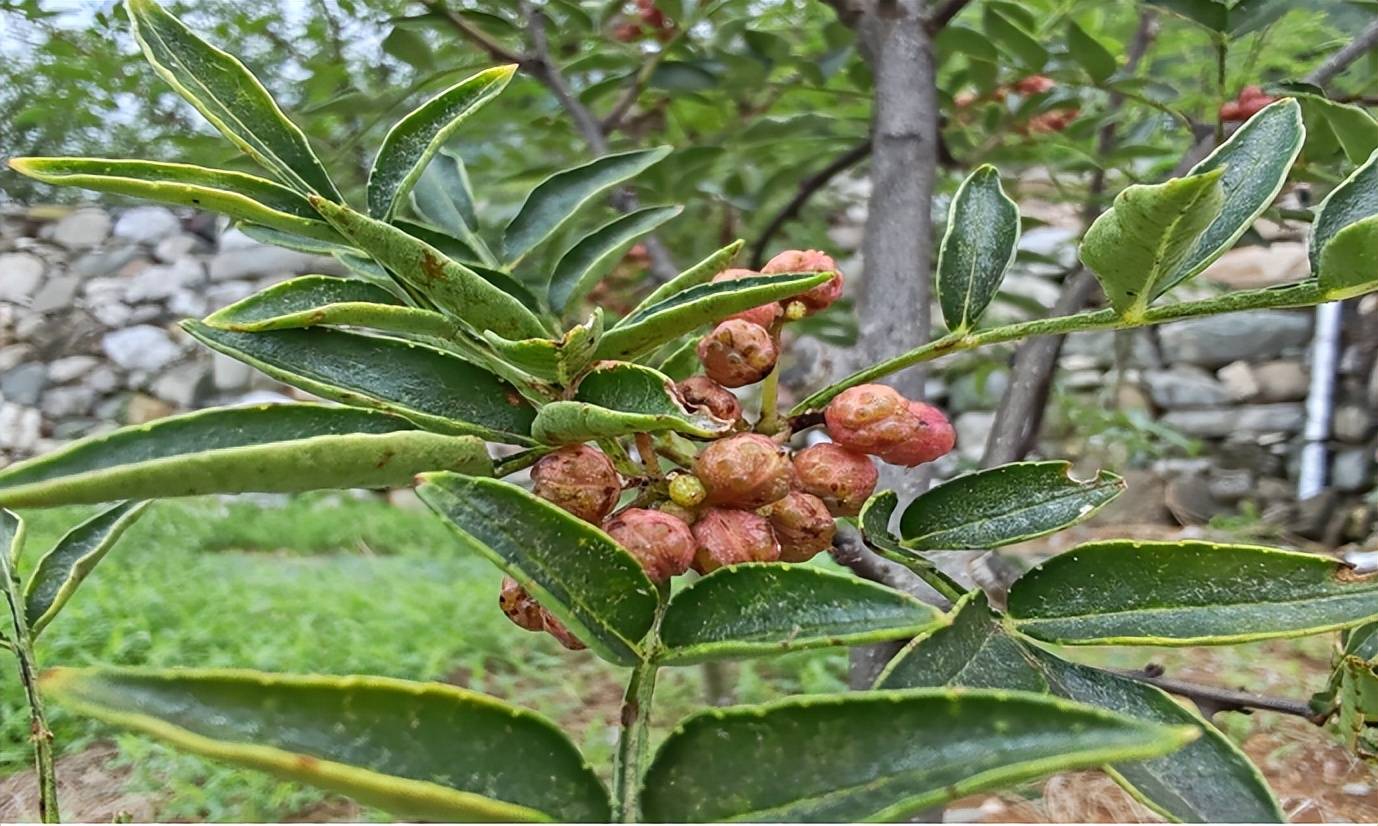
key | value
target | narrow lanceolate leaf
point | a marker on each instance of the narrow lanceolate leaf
(616, 398)
(278, 448)
(684, 311)
(755, 610)
(590, 258)
(1137, 247)
(1187, 593)
(1089, 53)
(414, 140)
(293, 241)
(1209, 780)
(558, 360)
(576, 571)
(556, 199)
(61, 570)
(422, 751)
(452, 286)
(1002, 505)
(1253, 164)
(700, 273)
(245, 197)
(431, 387)
(881, 755)
(322, 300)
(978, 246)
(443, 197)
(230, 97)
(874, 521)
(1351, 203)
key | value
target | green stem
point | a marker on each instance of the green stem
(39, 732)
(1305, 294)
(519, 461)
(633, 742)
(1221, 54)
(769, 423)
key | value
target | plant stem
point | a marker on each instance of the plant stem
(633, 742)
(519, 461)
(1212, 700)
(39, 732)
(645, 451)
(1221, 55)
(1304, 294)
(769, 423)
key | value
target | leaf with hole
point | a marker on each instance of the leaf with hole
(616, 398)
(761, 609)
(978, 246)
(277, 448)
(1187, 593)
(422, 751)
(572, 568)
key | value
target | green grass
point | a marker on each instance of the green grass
(327, 584)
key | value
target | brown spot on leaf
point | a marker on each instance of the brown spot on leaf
(306, 762)
(432, 267)
(385, 458)
(513, 398)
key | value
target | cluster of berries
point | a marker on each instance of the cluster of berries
(1055, 120)
(744, 497)
(650, 21)
(1246, 105)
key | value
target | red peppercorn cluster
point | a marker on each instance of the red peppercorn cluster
(744, 497)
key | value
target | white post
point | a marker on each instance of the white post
(1325, 350)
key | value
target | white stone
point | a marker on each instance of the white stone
(19, 427)
(1282, 381)
(82, 228)
(20, 275)
(228, 374)
(1218, 422)
(142, 347)
(1260, 266)
(1352, 470)
(972, 430)
(1352, 423)
(186, 304)
(161, 282)
(66, 369)
(1057, 243)
(147, 224)
(1219, 340)
(57, 294)
(111, 313)
(14, 355)
(1239, 380)
(64, 402)
(179, 386)
(177, 246)
(1184, 386)
(242, 257)
(103, 379)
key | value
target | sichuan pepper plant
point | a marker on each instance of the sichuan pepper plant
(644, 466)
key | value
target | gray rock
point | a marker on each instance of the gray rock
(1351, 470)
(182, 385)
(178, 246)
(1217, 341)
(242, 257)
(20, 275)
(57, 294)
(972, 430)
(20, 427)
(14, 355)
(103, 379)
(1218, 422)
(66, 369)
(1230, 486)
(111, 313)
(1057, 243)
(144, 313)
(104, 262)
(1241, 384)
(24, 384)
(1282, 381)
(147, 224)
(82, 228)
(1184, 386)
(1248, 267)
(221, 295)
(1097, 349)
(186, 304)
(64, 402)
(161, 282)
(143, 347)
(228, 375)
(1352, 423)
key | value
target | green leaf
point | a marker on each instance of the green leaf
(12, 532)
(1253, 166)
(874, 521)
(1347, 264)
(230, 97)
(322, 300)
(978, 246)
(1346, 127)
(700, 273)
(276, 448)
(881, 755)
(762, 609)
(1089, 53)
(1014, 39)
(555, 200)
(1002, 505)
(576, 571)
(1210, 780)
(1187, 593)
(558, 360)
(694, 307)
(423, 751)
(61, 570)
(616, 398)
(431, 387)
(442, 195)
(1212, 14)
(454, 287)
(1138, 245)
(299, 243)
(414, 140)
(463, 249)
(245, 197)
(588, 260)
(1355, 199)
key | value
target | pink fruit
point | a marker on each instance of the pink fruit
(819, 297)
(934, 438)
(843, 479)
(701, 391)
(802, 525)
(737, 353)
(870, 418)
(745, 471)
(579, 479)
(662, 544)
(729, 537)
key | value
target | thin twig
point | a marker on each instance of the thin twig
(1352, 51)
(1211, 700)
(475, 35)
(943, 15)
(39, 734)
(807, 188)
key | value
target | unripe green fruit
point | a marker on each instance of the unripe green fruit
(764, 315)
(933, 439)
(727, 536)
(796, 310)
(687, 491)
(662, 544)
(701, 391)
(744, 471)
(579, 479)
(737, 353)
(803, 526)
(870, 418)
(843, 479)
(819, 297)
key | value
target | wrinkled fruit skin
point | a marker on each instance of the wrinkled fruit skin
(935, 438)
(817, 298)
(519, 606)
(737, 353)
(562, 635)
(728, 537)
(701, 391)
(764, 315)
(662, 544)
(745, 471)
(843, 479)
(802, 525)
(579, 479)
(870, 418)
